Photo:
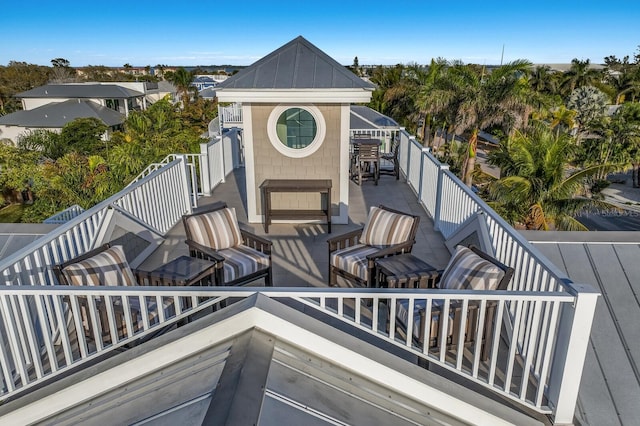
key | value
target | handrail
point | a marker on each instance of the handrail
(157, 200)
(65, 215)
(116, 317)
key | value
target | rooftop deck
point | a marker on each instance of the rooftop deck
(536, 354)
(300, 252)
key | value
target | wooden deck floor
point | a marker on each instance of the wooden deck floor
(300, 252)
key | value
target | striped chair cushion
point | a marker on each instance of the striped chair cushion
(353, 260)
(402, 312)
(241, 261)
(109, 267)
(384, 228)
(467, 270)
(218, 229)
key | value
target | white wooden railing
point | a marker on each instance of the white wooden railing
(44, 327)
(230, 115)
(156, 202)
(65, 215)
(538, 333)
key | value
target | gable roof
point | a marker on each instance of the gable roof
(296, 65)
(80, 91)
(57, 114)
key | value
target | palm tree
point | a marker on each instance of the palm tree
(536, 188)
(435, 73)
(580, 74)
(481, 100)
(182, 79)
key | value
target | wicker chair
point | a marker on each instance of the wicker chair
(469, 268)
(353, 255)
(241, 257)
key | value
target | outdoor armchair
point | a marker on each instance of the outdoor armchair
(107, 266)
(241, 257)
(352, 256)
(468, 269)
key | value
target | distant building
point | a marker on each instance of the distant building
(51, 106)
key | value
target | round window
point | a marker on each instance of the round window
(296, 128)
(296, 131)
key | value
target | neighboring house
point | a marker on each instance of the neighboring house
(114, 96)
(201, 82)
(55, 115)
(52, 106)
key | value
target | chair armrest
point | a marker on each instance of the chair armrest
(256, 242)
(393, 249)
(345, 240)
(203, 252)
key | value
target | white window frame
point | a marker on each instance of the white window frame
(316, 143)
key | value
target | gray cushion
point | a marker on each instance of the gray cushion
(384, 228)
(353, 260)
(217, 229)
(109, 267)
(241, 261)
(467, 270)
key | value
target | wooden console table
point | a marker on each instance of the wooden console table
(269, 186)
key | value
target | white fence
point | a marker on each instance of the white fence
(230, 115)
(537, 331)
(65, 215)
(50, 332)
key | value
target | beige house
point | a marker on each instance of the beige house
(296, 108)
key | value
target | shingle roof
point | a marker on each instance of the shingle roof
(56, 115)
(80, 91)
(296, 65)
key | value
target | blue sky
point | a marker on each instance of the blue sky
(143, 33)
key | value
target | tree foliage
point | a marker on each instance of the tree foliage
(538, 189)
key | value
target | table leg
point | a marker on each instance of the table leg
(329, 210)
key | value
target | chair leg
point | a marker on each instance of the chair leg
(268, 280)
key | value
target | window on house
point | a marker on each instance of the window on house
(296, 128)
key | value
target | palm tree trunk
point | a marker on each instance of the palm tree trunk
(470, 162)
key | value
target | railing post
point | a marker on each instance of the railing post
(439, 188)
(570, 353)
(205, 172)
(186, 182)
(422, 154)
(411, 139)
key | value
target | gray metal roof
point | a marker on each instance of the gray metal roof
(296, 65)
(81, 91)
(610, 262)
(15, 236)
(56, 115)
(363, 117)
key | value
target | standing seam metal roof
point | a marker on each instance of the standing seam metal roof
(57, 114)
(73, 91)
(296, 65)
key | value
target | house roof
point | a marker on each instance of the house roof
(609, 262)
(57, 114)
(363, 117)
(296, 65)
(15, 236)
(81, 91)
